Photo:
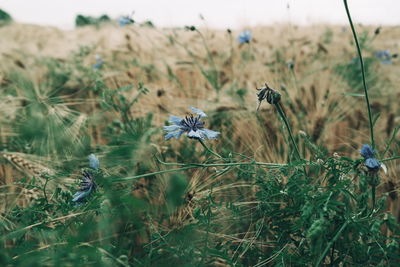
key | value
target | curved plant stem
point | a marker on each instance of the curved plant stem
(152, 173)
(44, 189)
(283, 116)
(199, 165)
(208, 149)
(230, 164)
(371, 125)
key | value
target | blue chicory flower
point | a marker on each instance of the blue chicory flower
(369, 155)
(99, 63)
(125, 20)
(367, 151)
(87, 187)
(244, 37)
(384, 56)
(191, 125)
(372, 163)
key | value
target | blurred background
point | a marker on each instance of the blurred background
(218, 14)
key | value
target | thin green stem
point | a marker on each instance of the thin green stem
(152, 173)
(396, 130)
(29, 227)
(283, 116)
(208, 149)
(371, 126)
(373, 189)
(332, 254)
(232, 164)
(389, 159)
(44, 189)
(293, 74)
(330, 244)
(211, 60)
(209, 55)
(199, 165)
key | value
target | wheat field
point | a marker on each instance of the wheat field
(55, 109)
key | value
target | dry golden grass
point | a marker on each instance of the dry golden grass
(330, 118)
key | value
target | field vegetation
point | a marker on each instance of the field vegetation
(87, 176)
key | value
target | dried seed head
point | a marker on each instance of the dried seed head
(272, 96)
(190, 28)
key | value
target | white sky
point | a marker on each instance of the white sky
(218, 13)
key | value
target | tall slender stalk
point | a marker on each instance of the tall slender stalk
(283, 116)
(371, 125)
(330, 244)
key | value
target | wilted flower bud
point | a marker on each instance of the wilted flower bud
(272, 96)
(190, 28)
(290, 64)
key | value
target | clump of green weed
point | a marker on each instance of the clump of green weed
(5, 18)
(82, 20)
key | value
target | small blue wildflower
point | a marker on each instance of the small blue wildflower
(367, 151)
(87, 187)
(93, 162)
(372, 163)
(369, 155)
(384, 56)
(99, 63)
(191, 125)
(125, 20)
(244, 37)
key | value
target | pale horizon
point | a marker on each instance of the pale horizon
(218, 13)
